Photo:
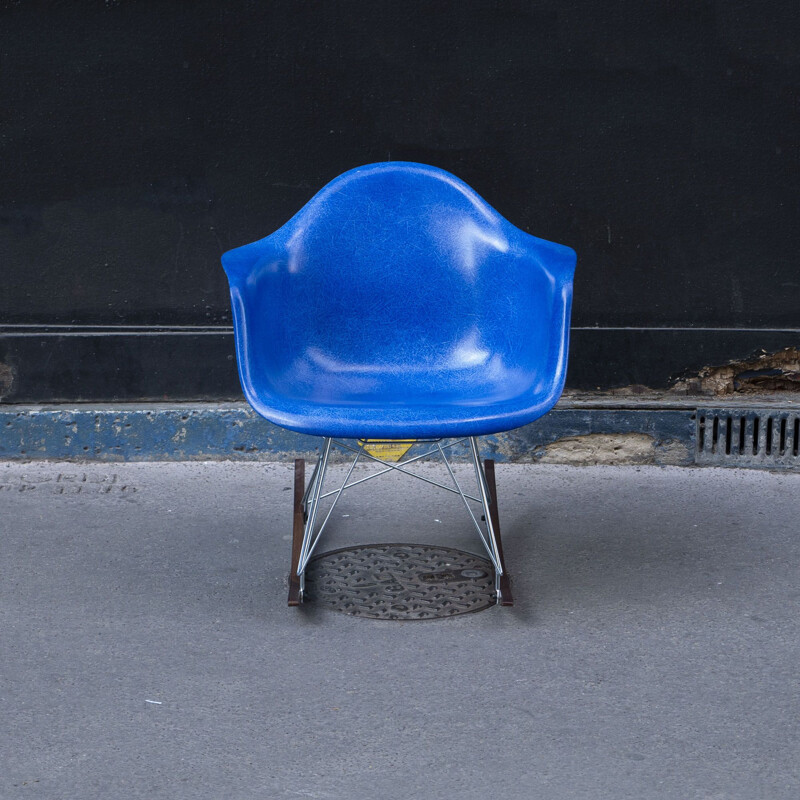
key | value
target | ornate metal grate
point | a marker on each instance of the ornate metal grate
(401, 581)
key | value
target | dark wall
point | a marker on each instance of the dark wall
(139, 140)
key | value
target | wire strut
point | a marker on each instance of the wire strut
(313, 495)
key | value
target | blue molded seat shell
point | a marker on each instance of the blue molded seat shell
(398, 304)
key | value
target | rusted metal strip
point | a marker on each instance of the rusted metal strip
(506, 598)
(297, 530)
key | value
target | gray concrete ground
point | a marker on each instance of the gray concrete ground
(653, 651)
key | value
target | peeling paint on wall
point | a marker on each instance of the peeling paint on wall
(601, 448)
(767, 372)
(613, 449)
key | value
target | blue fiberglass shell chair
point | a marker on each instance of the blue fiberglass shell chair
(396, 305)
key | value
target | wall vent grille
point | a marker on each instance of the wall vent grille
(748, 437)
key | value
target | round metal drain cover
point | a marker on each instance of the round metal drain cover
(401, 581)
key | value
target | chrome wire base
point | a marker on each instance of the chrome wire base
(307, 533)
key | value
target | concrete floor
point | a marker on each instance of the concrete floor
(653, 651)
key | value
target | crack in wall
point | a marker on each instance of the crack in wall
(6, 380)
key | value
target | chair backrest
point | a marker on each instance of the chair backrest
(397, 283)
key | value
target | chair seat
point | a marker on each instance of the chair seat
(399, 419)
(459, 394)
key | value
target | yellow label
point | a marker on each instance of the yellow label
(387, 450)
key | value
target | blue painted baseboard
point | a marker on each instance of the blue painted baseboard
(212, 431)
